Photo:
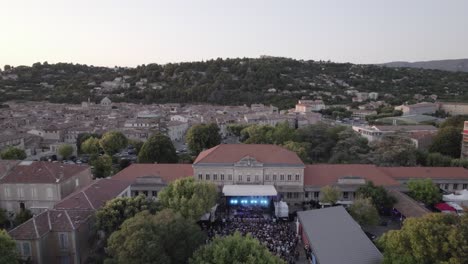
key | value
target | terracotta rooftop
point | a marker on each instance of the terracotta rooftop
(329, 174)
(41, 172)
(426, 172)
(407, 206)
(168, 172)
(93, 196)
(232, 153)
(52, 220)
(6, 166)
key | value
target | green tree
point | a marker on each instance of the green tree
(13, 153)
(438, 160)
(364, 212)
(330, 194)
(350, 148)
(378, 194)
(459, 163)
(433, 238)
(137, 144)
(301, 149)
(447, 141)
(393, 150)
(90, 146)
(158, 148)
(234, 249)
(190, 198)
(424, 190)
(112, 142)
(162, 238)
(202, 136)
(257, 134)
(22, 216)
(82, 137)
(102, 166)
(8, 252)
(281, 133)
(235, 129)
(3, 218)
(116, 211)
(65, 151)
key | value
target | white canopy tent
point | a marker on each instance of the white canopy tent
(281, 209)
(249, 190)
(461, 198)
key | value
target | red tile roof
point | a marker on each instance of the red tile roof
(168, 172)
(6, 166)
(52, 220)
(93, 196)
(426, 172)
(41, 172)
(232, 153)
(328, 174)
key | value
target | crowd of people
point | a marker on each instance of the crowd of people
(278, 236)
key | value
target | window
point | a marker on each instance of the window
(222, 177)
(22, 206)
(145, 193)
(229, 177)
(154, 193)
(289, 195)
(20, 192)
(34, 192)
(289, 177)
(465, 186)
(282, 177)
(63, 240)
(7, 192)
(274, 177)
(77, 182)
(296, 195)
(306, 194)
(455, 186)
(345, 195)
(298, 177)
(240, 177)
(248, 178)
(200, 176)
(316, 195)
(446, 186)
(50, 195)
(256, 178)
(24, 248)
(215, 177)
(267, 177)
(207, 177)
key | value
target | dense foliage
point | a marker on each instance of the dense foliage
(65, 151)
(188, 197)
(8, 252)
(424, 190)
(364, 212)
(202, 136)
(165, 238)
(433, 238)
(112, 142)
(279, 81)
(330, 194)
(234, 249)
(13, 153)
(158, 148)
(378, 195)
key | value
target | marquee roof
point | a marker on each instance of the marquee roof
(249, 190)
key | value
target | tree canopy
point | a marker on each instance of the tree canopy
(202, 136)
(234, 249)
(393, 150)
(189, 197)
(424, 190)
(433, 238)
(364, 212)
(378, 195)
(112, 142)
(65, 151)
(447, 141)
(165, 238)
(13, 153)
(8, 252)
(350, 148)
(330, 194)
(158, 148)
(102, 166)
(90, 146)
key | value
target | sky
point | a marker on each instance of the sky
(134, 32)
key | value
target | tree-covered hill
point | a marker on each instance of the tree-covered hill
(280, 81)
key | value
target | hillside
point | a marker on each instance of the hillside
(443, 65)
(279, 81)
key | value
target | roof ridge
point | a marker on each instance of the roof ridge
(48, 219)
(69, 219)
(89, 201)
(48, 169)
(35, 226)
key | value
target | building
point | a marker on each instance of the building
(176, 130)
(454, 108)
(252, 164)
(373, 96)
(418, 109)
(373, 133)
(306, 106)
(38, 185)
(106, 102)
(62, 234)
(464, 147)
(334, 237)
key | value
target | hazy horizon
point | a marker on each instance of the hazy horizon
(131, 33)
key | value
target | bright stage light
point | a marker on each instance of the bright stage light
(253, 201)
(233, 201)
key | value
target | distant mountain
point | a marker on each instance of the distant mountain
(444, 65)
